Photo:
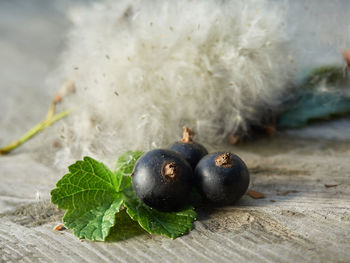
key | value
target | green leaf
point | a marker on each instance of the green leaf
(126, 162)
(89, 193)
(314, 105)
(311, 103)
(124, 167)
(93, 195)
(172, 224)
(125, 228)
(126, 182)
(329, 75)
(96, 223)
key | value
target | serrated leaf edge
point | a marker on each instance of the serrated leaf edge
(192, 215)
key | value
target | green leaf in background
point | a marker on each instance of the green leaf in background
(319, 97)
(316, 105)
(328, 75)
(172, 224)
(89, 193)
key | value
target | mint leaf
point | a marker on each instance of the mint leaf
(89, 193)
(172, 224)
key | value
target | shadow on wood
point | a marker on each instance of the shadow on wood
(125, 228)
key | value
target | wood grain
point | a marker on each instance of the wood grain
(307, 222)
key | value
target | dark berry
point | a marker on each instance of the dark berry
(222, 178)
(192, 151)
(162, 179)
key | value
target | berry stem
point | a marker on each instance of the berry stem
(187, 136)
(224, 160)
(169, 170)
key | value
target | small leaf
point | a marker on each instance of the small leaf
(126, 182)
(313, 102)
(125, 228)
(126, 162)
(172, 224)
(89, 193)
(96, 223)
(124, 167)
(328, 75)
(314, 105)
(93, 195)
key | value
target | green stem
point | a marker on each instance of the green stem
(37, 128)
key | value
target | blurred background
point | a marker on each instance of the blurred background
(32, 36)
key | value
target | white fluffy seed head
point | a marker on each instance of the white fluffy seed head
(144, 69)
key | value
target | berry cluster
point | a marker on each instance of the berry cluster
(163, 178)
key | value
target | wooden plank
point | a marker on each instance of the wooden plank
(305, 222)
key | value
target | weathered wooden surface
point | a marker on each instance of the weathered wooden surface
(310, 225)
(299, 220)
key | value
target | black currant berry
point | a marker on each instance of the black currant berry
(222, 178)
(162, 179)
(192, 151)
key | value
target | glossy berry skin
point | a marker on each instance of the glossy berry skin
(222, 183)
(162, 179)
(192, 152)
